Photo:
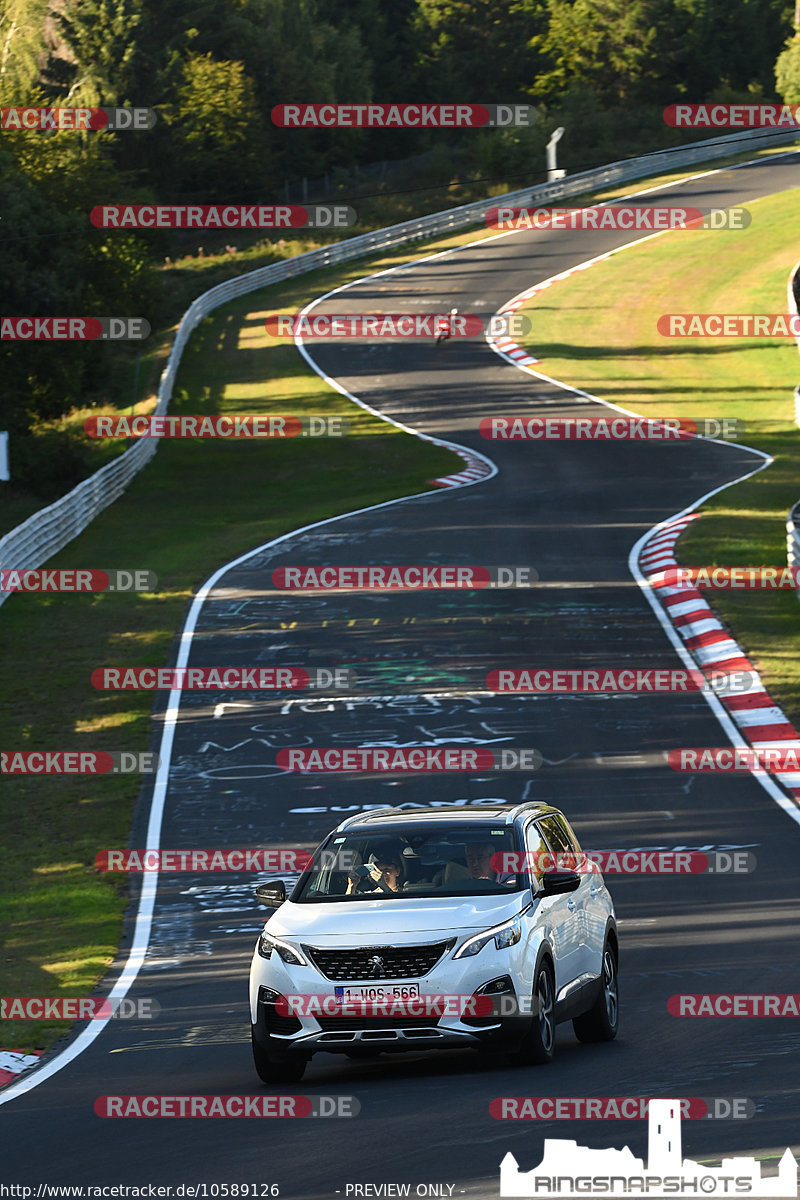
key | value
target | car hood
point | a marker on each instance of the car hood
(411, 920)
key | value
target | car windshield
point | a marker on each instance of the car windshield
(435, 861)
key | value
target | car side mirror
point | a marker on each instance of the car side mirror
(271, 895)
(556, 883)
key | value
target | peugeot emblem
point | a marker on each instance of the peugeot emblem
(375, 965)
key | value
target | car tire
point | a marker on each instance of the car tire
(271, 1070)
(539, 1044)
(601, 1022)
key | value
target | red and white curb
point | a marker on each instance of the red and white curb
(12, 1064)
(761, 722)
(476, 468)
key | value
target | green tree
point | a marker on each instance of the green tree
(212, 127)
(603, 45)
(21, 48)
(94, 63)
(787, 72)
(479, 50)
(657, 51)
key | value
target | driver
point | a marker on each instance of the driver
(381, 874)
(478, 856)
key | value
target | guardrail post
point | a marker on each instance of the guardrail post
(793, 540)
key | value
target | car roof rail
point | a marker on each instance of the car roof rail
(528, 806)
(360, 816)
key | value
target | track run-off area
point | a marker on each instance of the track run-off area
(573, 511)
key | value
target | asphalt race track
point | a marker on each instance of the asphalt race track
(572, 511)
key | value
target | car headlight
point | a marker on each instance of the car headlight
(267, 943)
(507, 934)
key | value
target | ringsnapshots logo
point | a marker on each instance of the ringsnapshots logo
(73, 329)
(28, 579)
(78, 762)
(732, 116)
(57, 120)
(403, 116)
(396, 326)
(244, 425)
(328, 578)
(618, 680)
(414, 759)
(198, 1107)
(77, 1008)
(223, 216)
(221, 679)
(568, 1171)
(607, 429)
(627, 218)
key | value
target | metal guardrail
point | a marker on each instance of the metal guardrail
(793, 519)
(50, 529)
(793, 537)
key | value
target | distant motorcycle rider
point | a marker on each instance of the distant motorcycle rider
(448, 332)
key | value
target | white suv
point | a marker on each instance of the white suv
(431, 930)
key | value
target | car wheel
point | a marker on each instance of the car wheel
(601, 1022)
(539, 1044)
(270, 1070)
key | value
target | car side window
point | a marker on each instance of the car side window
(535, 850)
(562, 842)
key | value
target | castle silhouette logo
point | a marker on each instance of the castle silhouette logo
(569, 1170)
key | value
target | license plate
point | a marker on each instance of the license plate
(381, 991)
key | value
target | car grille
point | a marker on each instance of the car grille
(396, 962)
(345, 1024)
